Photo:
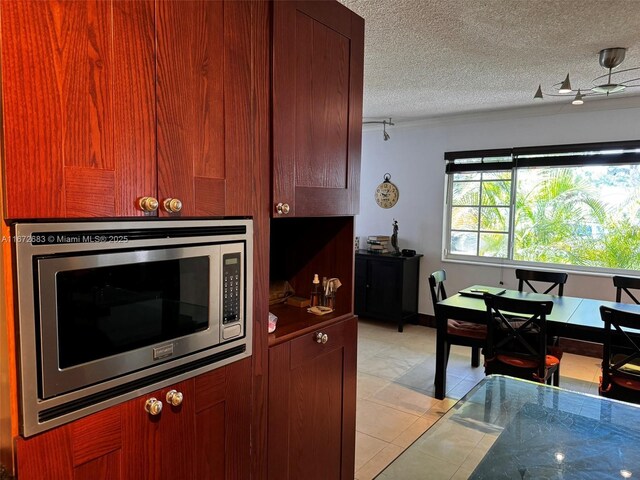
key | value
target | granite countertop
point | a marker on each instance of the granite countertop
(4, 474)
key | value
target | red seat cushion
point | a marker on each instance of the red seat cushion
(519, 362)
(626, 382)
(466, 329)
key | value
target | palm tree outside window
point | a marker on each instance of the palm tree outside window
(571, 205)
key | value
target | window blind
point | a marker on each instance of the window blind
(603, 153)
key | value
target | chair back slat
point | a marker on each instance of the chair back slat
(452, 333)
(620, 348)
(517, 327)
(626, 284)
(556, 279)
(528, 307)
(621, 318)
(436, 284)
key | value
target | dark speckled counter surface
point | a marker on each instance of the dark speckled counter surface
(4, 475)
(506, 428)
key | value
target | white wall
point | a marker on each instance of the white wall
(414, 156)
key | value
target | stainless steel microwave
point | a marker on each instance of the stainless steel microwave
(110, 311)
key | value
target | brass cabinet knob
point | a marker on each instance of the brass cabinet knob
(172, 205)
(282, 208)
(153, 406)
(322, 337)
(148, 204)
(174, 397)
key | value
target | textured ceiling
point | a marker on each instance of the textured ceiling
(429, 58)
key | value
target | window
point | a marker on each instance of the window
(576, 205)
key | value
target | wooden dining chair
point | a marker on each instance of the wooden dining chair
(620, 355)
(516, 340)
(626, 284)
(556, 279)
(467, 334)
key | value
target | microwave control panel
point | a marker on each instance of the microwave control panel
(231, 293)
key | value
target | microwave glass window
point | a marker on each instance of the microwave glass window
(109, 310)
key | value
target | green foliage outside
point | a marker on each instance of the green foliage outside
(586, 216)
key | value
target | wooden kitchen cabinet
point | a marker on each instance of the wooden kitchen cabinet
(159, 446)
(311, 394)
(312, 404)
(318, 56)
(106, 102)
(204, 112)
(205, 437)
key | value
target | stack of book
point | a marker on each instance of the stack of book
(378, 243)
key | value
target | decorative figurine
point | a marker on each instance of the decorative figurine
(394, 238)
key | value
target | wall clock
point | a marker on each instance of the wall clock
(387, 193)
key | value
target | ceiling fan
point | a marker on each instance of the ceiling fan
(609, 83)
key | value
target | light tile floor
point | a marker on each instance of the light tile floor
(396, 401)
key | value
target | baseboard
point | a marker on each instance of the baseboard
(426, 320)
(578, 347)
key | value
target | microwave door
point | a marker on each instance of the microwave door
(105, 315)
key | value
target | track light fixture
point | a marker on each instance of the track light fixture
(385, 135)
(609, 83)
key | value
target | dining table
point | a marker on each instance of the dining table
(509, 428)
(571, 317)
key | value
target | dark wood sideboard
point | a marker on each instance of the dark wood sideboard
(386, 287)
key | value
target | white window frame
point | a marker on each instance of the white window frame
(590, 152)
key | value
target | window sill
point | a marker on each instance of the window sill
(571, 269)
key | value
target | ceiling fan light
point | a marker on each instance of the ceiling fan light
(566, 86)
(578, 99)
(538, 95)
(608, 88)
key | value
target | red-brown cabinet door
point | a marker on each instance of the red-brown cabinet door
(160, 446)
(312, 405)
(223, 423)
(78, 92)
(86, 449)
(204, 106)
(205, 437)
(318, 56)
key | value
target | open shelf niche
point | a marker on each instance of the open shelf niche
(300, 248)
